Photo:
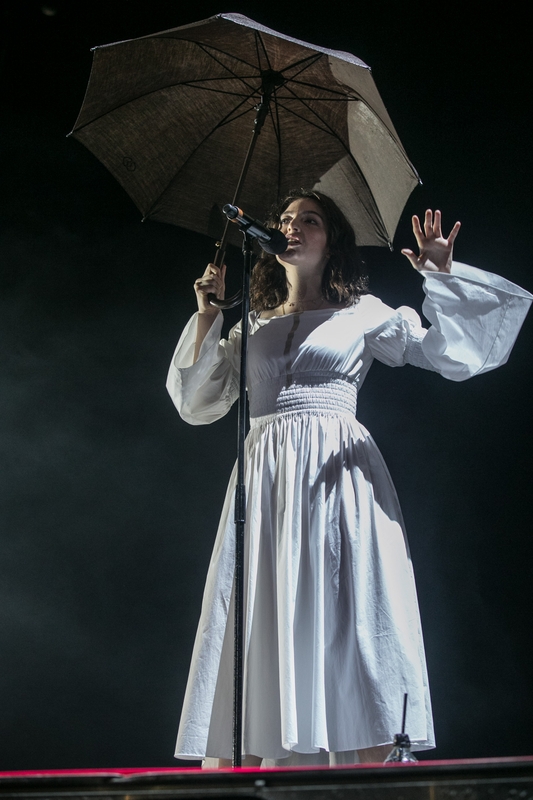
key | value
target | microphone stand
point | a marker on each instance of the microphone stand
(240, 512)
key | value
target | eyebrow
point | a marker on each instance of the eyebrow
(307, 211)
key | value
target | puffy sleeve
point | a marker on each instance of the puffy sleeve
(475, 318)
(204, 391)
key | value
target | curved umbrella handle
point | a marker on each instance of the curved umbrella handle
(228, 302)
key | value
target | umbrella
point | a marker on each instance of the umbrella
(171, 115)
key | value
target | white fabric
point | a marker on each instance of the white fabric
(332, 629)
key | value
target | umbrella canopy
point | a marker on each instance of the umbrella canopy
(171, 116)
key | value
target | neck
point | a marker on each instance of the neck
(303, 289)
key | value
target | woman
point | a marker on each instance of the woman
(332, 630)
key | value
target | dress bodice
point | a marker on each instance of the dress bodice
(314, 360)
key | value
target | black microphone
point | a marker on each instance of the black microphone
(271, 240)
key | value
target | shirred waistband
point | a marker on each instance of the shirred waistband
(337, 396)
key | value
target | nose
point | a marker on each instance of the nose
(292, 225)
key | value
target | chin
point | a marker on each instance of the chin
(284, 258)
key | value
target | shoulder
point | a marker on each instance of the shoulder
(377, 315)
(370, 308)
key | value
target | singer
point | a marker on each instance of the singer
(331, 624)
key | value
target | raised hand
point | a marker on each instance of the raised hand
(435, 250)
(211, 282)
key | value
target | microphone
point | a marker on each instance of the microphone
(271, 240)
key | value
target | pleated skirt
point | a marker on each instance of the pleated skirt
(331, 623)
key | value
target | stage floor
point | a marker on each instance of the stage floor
(470, 779)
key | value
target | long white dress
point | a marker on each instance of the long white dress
(332, 628)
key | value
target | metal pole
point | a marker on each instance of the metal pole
(269, 81)
(240, 514)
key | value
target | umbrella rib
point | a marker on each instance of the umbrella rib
(228, 118)
(342, 99)
(220, 124)
(194, 81)
(305, 103)
(341, 95)
(221, 79)
(170, 86)
(306, 62)
(259, 41)
(354, 98)
(224, 66)
(327, 129)
(214, 89)
(277, 132)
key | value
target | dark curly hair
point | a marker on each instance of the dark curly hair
(343, 280)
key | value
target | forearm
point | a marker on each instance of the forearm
(204, 322)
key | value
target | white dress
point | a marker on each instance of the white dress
(331, 624)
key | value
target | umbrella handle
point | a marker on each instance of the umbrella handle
(228, 302)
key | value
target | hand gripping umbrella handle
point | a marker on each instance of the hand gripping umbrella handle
(228, 302)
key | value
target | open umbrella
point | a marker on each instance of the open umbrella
(171, 115)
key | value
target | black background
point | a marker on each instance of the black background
(110, 502)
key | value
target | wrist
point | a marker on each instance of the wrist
(212, 311)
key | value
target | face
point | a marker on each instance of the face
(304, 225)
